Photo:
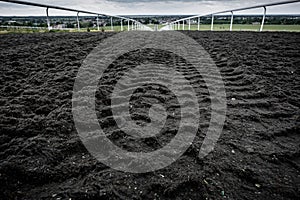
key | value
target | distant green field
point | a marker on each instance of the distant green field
(28, 30)
(203, 27)
(107, 28)
(115, 28)
(217, 27)
(153, 25)
(244, 27)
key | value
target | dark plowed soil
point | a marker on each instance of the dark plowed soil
(257, 156)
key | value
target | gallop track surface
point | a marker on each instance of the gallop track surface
(257, 156)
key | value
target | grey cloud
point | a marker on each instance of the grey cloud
(149, 1)
(159, 7)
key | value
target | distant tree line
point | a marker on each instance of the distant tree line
(87, 22)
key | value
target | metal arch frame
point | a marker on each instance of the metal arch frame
(142, 26)
(264, 6)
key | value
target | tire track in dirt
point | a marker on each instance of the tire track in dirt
(260, 85)
(157, 94)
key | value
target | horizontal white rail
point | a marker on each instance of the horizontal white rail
(172, 25)
(138, 24)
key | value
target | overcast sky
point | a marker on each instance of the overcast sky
(146, 7)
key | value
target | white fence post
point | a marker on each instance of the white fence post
(111, 24)
(48, 19)
(189, 24)
(198, 23)
(263, 20)
(231, 21)
(78, 23)
(182, 24)
(212, 23)
(98, 23)
(128, 25)
(121, 24)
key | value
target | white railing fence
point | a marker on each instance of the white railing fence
(176, 25)
(136, 25)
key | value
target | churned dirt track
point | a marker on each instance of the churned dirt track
(257, 156)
